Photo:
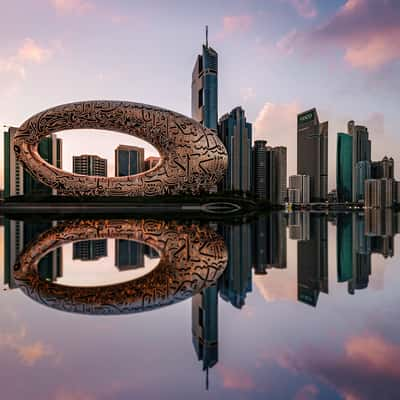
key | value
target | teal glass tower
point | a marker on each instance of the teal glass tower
(344, 167)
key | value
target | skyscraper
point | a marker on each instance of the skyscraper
(13, 170)
(276, 174)
(88, 164)
(236, 134)
(269, 172)
(89, 250)
(205, 88)
(151, 162)
(361, 151)
(129, 160)
(344, 167)
(312, 153)
(19, 182)
(259, 169)
(128, 254)
(299, 189)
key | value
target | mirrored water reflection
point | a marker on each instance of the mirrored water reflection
(300, 305)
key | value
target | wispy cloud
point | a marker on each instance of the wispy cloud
(286, 43)
(30, 52)
(28, 353)
(237, 379)
(305, 8)
(233, 24)
(74, 7)
(367, 30)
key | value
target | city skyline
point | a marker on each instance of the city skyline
(271, 110)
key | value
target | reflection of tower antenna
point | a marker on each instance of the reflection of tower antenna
(206, 35)
(207, 378)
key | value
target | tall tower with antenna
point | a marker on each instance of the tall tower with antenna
(205, 87)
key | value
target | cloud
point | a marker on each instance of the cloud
(29, 52)
(247, 93)
(307, 392)
(368, 31)
(367, 368)
(75, 7)
(236, 379)
(232, 24)
(28, 353)
(305, 8)
(286, 43)
(275, 286)
(64, 394)
(277, 123)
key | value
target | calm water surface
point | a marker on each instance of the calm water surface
(285, 306)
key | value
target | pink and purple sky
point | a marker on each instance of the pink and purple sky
(276, 58)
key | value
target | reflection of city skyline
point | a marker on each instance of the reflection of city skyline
(254, 248)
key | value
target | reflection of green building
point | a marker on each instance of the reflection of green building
(18, 234)
(344, 167)
(344, 247)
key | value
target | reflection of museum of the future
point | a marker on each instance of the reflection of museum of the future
(222, 259)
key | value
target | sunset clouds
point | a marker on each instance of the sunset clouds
(29, 52)
(368, 31)
(75, 7)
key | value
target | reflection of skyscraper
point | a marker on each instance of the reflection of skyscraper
(312, 261)
(235, 282)
(205, 88)
(13, 245)
(236, 134)
(299, 225)
(344, 243)
(129, 160)
(89, 250)
(205, 326)
(51, 265)
(361, 255)
(128, 254)
(269, 242)
(88, 164)
(312, 153)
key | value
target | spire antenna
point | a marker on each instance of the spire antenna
(206, 35)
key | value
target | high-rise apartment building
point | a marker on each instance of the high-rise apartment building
(205, 88)
(361, 151)
(88, 164)
(382, 169)
(236, 134)
(299, 189)
(259, 169)
(312, 153)
(269, 172)
(277, 174)
(16, 180)
(129, 254)
(379, 193)
(89, 250)
(129, 160)
(151, 162)
(344, 167)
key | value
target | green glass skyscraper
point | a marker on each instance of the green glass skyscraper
(344, 167)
